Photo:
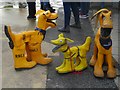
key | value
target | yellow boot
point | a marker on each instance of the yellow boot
(83, 65)
(83, 52)
(18, 48)
(36, 55)
(68, 67)
(35, 49)
(61, 66)
(20, 59)
(28, 36)
(28, 56)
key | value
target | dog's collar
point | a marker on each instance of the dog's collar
(71, 56)
(104, 37)
(42, 31)
(66, 49)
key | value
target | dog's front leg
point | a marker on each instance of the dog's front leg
(111, 73)
(68, 66)
(98, 72)
(94, 57)
(61, 66)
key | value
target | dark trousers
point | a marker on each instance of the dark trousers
(84, 7)
(31, 9)
(68, 6)
(44, 3)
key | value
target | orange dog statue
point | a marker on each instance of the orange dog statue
(30, 42)
(103, 45)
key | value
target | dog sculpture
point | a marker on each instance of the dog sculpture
(75, 52)
(30, 42)
(103, 45)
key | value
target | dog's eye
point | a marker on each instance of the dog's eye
(60, 40)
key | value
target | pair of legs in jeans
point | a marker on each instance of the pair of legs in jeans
(84, 6)
(45, 5)
(68, 7)
(32, 7)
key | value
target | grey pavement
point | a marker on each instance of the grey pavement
(46, 76)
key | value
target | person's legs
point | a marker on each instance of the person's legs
(67, 14)
(119, 5)
(42, 4)
(31, 10)
(87, 6)
(102, 5)
(75, 11)
(84, 9)
(45, 5)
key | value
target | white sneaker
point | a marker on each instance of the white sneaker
(84, 16)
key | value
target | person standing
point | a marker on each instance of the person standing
(68, 6)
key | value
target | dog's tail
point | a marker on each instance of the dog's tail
(84, 48)
(10, 35)
(87, 43)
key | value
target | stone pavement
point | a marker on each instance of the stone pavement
(46, 76)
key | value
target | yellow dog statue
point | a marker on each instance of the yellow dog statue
(29, 42)
(77, 53)
(103, 45)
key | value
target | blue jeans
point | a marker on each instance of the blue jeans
(102, 4)
(84, 7)
(68, 6)
(44, 2)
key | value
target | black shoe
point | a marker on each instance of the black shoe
(51, 9)
(48, 8)
(22, 5)
(31, 17)
(76, 25)
(64, 29)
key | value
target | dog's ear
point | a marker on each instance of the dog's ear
(61, 35)
(70, 40)
(98, 12)
(39, 12)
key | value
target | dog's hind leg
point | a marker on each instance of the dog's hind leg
(94, 56)
(77, 61)
(17, 45)
(111, 73)
(82, 65)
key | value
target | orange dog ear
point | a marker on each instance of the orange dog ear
(39, 12)
(98, 12)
